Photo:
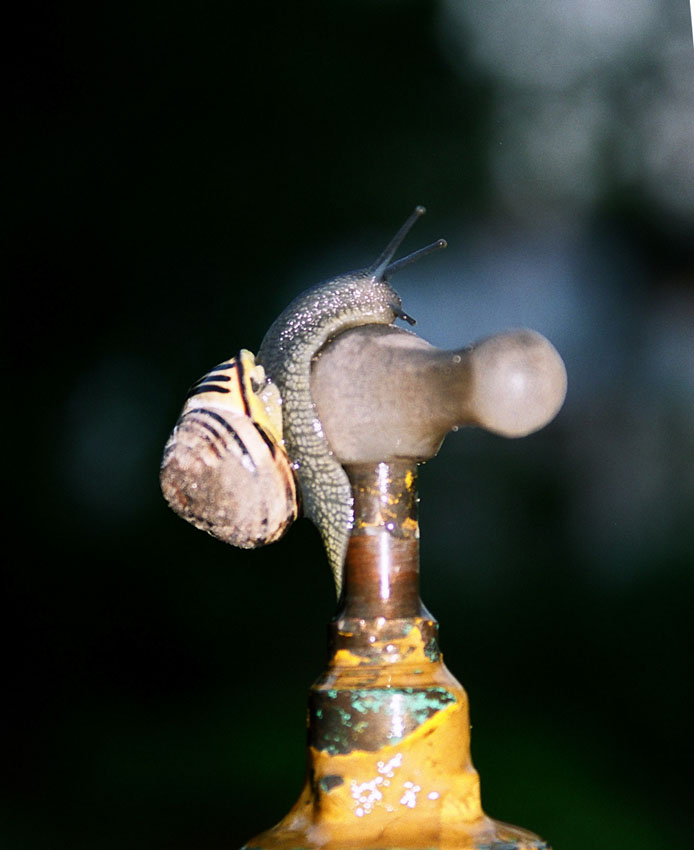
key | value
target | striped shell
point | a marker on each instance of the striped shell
(224, 468)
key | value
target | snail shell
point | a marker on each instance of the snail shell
(224, 467)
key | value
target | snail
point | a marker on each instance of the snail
(234, 478)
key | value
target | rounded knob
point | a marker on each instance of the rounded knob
(383, 393)
(517, 383)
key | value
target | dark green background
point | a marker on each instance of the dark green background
(177, 171)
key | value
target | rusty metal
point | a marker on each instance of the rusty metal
(388, 725)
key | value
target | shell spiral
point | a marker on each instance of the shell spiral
(224, 469)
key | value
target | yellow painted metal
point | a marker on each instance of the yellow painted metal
(415, 790)
(388, 755)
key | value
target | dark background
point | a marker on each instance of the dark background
(178, 172)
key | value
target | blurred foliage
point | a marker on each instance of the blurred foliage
(179, 172)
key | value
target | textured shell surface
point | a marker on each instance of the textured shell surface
(224, 468)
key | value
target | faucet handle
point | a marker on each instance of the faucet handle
(382, 392)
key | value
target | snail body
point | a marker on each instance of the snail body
(286, 353)
(277, 401)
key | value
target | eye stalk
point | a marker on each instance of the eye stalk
(383, 268)
(398, 265)
(377, 269)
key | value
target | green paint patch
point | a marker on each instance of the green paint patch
(345, 716)
(370, 718)
(418, 703)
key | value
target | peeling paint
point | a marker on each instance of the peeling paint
(370, 718)
(332, 780)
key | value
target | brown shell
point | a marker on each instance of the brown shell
(222, 471)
